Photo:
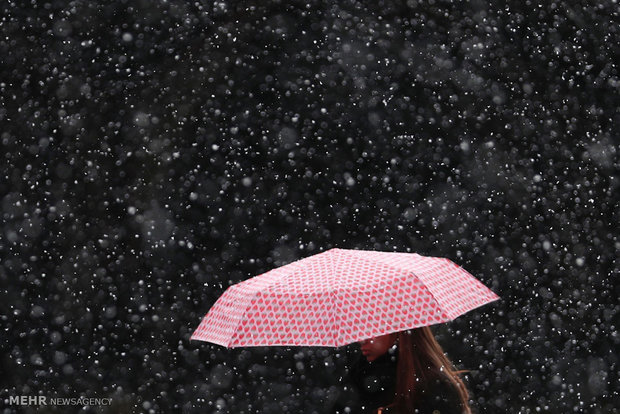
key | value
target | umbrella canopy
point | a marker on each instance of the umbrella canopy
(341, 296)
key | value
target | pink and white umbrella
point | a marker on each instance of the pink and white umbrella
(341, 296)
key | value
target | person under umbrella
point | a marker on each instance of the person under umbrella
(343, 296)
(405, 372)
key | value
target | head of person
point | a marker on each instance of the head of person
(420, 360)
(373, 348)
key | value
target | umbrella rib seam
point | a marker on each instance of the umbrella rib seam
(236, 330)
(435, 299)
(252, 301)
(332, 297)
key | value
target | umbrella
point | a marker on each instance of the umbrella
(341, 296)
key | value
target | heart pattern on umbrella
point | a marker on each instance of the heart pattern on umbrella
(339, 297)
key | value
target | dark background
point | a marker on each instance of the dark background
(155, 152)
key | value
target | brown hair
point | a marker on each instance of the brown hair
(420, 360)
